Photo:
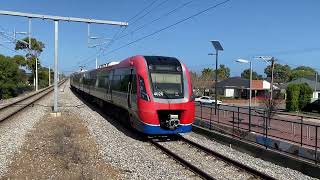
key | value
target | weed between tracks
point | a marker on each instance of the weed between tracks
(60, 148)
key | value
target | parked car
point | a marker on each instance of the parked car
(207, 100)
(314, 106)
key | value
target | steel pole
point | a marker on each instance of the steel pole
(250, 96)
(271, 85)
(49, 76)
(55, 103)
(315, 85)
(30, 46)
(96, 62)
(36, 73)
(215, 85)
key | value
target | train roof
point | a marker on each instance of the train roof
(149, 60)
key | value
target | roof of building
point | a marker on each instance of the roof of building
(237, 82)
(310, 82)
(242, 83)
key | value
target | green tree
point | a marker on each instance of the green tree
(281, 72)
(302, 71)
(30, 58)
(298, 96)
(11, 78)
(305, 95)
(292, 101)
(223, 71)
(207, 73)
(246, 74)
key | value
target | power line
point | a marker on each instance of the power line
(148, 12)
(118, 32)
(157, 19)
(131, 23)
(11, 49)
(167, 27)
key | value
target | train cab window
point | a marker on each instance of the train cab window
(134, 83)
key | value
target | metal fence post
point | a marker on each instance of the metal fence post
(316, 147)
(249, 118)
(218, 113)
(238, 117)
(210, 117)
(233, 123)
(201, 111)
(266, 127)
(301, 130)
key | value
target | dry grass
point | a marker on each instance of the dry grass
(60, 148)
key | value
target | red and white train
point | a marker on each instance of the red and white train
(155, 91)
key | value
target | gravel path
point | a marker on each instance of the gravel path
(276, 171)
(14, 130)
(119, 147)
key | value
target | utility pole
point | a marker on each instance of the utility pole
(315, 85)
(96, 62)
(49, 76)
(271, 85)
(56, 20)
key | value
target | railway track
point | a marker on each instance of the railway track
(195, 156)
(12, 108)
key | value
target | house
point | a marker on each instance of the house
(315, 86)
(237, 87)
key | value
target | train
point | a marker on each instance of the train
(153, 93)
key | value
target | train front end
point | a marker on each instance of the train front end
(164, 96)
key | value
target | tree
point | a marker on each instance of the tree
(305, 95)
(302, 71)
(223, 71)
(246, 74)
(292, 101)
(12, 79)
(298, 96)
(207, 73)
(36, 49)
(281, 72)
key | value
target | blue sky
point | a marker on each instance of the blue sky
(287, 29)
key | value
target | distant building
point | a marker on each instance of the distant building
(237, 87)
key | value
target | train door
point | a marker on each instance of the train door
(129, 89)
(109, 94)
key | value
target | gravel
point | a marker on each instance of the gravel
(209, 164)
(120, 147)
(269, 168)
(13, 131)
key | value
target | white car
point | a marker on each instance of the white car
(206, 100)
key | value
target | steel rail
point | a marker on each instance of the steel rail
(50, 89)
(183, 162)
(24, 98)
(226, 159)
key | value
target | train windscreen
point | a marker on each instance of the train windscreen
(166, 85)
(166, 77)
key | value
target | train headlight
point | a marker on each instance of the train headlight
(179, 68)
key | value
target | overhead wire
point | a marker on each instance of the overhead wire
(167, 27)
(116, 34)
(156, 19)
(172, 25)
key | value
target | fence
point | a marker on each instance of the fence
(299, 130)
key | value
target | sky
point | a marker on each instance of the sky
(286, 29)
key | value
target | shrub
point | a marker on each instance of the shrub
(305, 95)
(298, 96)
(292, 102)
